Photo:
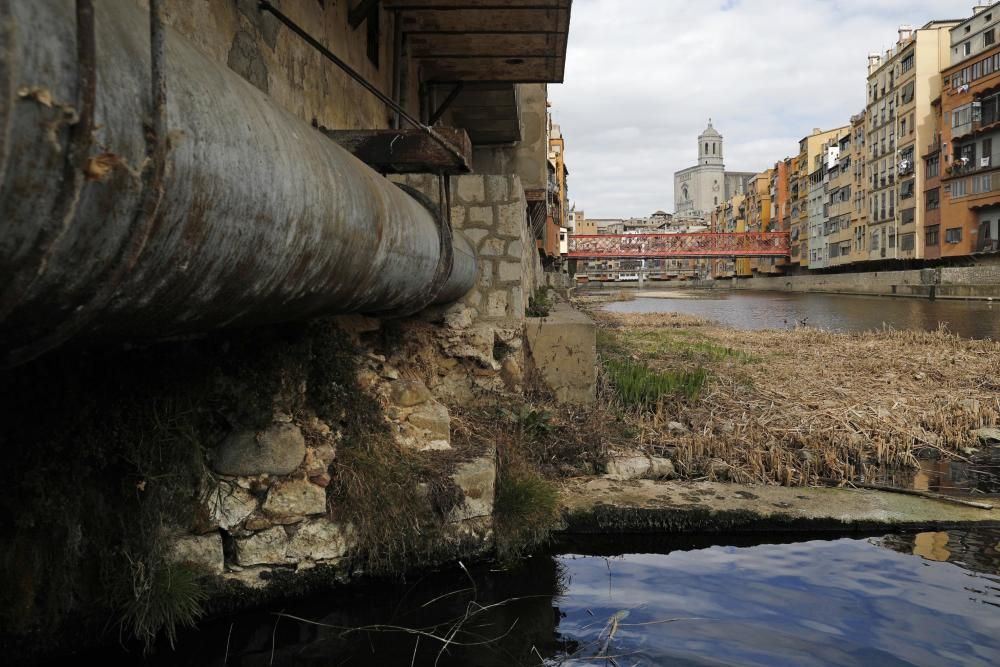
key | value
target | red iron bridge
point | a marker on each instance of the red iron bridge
(697, 244)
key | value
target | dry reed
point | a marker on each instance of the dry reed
(796, 406)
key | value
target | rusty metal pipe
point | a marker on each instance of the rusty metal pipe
(257, 218)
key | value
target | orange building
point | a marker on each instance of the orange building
(969, 193)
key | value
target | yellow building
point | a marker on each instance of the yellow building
(758, 218)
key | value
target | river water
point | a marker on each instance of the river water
(924, 599)
(779, 310)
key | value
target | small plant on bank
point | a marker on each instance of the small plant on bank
(639, 386)
(539, 304)
(160, 596)
(525, 510)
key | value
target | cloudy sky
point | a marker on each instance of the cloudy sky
(644, 76)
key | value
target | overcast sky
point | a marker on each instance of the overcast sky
(644, 76)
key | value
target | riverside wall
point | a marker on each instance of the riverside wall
(981, 281)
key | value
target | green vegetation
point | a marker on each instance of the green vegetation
(539, 304)
(639, 386)
(162, 599)
(526, 508)
(672, 344)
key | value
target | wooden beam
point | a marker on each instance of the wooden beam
(492, 21)
(519, 70)
(508, 45)
(360, 12)
(409, 151)
(476, 4)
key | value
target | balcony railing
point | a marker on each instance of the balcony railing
(988, 245)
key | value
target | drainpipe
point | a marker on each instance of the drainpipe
(247, 216)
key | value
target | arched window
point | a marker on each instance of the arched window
(713, 149)
(706, 148)
(716, 201)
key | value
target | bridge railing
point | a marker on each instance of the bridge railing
(697, 244)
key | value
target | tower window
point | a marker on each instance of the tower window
(706, 148)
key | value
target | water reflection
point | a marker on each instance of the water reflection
(780, 310)
(926, 599)
(846, 602)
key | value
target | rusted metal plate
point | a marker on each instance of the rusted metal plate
(407, 151)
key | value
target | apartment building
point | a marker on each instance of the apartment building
(902, 85)
(969, 193)
(840, 202)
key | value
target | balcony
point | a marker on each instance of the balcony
(988, 245)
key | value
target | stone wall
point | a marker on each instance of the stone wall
(259, 48)
(972, 282)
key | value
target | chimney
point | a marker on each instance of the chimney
(905, 33)
(874, 62)
(979, 8)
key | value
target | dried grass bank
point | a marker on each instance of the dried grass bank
(797, 407)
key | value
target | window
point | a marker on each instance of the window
(875, 240)
(907, 63)
(967, 48)
(953, 235)
(989, 37)
(906, 189)
(932, 199)
(987, 66)
(933, 165)
(958, 188)
(977, 70)
(906, 242)
(931, 237)
(907, 216)
(961, 116)
(987, 152)
(981, 183)
(967, 154)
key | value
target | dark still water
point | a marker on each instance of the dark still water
(926, 599)
(780, 310)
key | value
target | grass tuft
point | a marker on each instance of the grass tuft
(639, 386)
(161, 598)
(526, 508)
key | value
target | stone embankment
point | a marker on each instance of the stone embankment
(981, 281)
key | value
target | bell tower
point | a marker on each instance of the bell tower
(710, 147)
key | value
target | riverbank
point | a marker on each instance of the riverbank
(796, 407)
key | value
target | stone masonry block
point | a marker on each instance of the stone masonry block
(511, 218)
(476, 235)
(471, 189)
(510, 271)
(497, 189)
(515, 249)
(492, 248)
(496, 304)
(481, 216)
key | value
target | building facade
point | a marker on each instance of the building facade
(969, 196)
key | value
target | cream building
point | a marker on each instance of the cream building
(699, 189)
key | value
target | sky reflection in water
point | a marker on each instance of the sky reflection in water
(846, 602)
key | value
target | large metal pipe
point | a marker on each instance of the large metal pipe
(252, 217)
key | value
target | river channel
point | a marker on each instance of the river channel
(781, 310)
(918, 599)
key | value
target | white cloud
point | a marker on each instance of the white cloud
(644, 76)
